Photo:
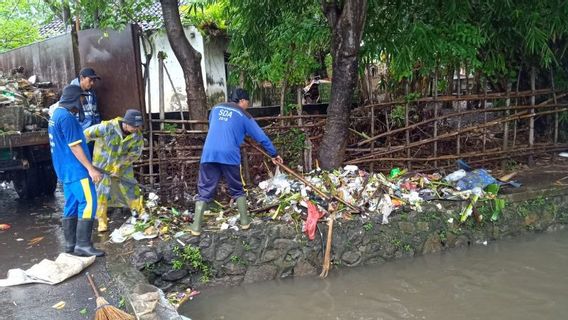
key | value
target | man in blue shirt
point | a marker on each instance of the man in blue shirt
(72, 163)
(229, 123)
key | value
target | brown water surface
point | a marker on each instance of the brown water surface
(524, 278)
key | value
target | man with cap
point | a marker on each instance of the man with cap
(72, 163)
(229, 123)
(118, 144)
(86, 80)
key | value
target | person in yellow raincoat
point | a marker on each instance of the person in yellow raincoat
(118, 144)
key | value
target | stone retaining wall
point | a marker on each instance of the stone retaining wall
(269, 251)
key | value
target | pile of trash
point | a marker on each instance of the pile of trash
(285, 199)
(24, 103)
(372, 193)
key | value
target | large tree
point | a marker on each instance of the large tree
(346, 20)
(189, 59)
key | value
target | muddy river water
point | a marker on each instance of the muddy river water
(523, 278)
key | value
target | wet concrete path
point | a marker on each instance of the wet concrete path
(29, 220)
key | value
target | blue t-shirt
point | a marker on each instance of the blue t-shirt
(228, 126)
(64, 132)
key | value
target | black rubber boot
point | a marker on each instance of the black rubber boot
(70, 233)
(84, 246)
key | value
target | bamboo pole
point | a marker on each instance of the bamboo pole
(151, 135)
(484, 113)
(415, 125)
(471, 97)
(372, 134)
(556, 116)
(492, 152)
(406, 124)
(506, 124)
(161, 89)
(436, 115)
(516, 104)
(518, 116)
(458, 137)
(531, 119)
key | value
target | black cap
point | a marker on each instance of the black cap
(239, 94)
(89, 72)
(71, 98)
(133, 117)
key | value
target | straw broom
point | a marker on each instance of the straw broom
(104, 310)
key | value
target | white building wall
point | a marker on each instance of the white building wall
(216, 80)
(160, 43)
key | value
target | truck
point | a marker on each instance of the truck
(25, 160)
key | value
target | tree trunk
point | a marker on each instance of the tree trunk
(188, 58)
(347, 21)
(68, 22)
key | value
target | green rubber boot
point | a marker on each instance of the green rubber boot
(243, 212)
(195, 227)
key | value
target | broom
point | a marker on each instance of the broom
(104, 310)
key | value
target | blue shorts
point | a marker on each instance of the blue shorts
(209, 175)
(80, 199)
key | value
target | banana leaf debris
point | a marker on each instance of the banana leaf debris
(287, 200)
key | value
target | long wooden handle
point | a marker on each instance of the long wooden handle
(90, 278)
(301, 178)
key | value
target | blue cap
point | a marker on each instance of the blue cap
(133, 117)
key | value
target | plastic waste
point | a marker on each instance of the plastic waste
(385, 207)
(394, 173)
(478, 178)
(4, 226)
(311, 223)
(455, 176)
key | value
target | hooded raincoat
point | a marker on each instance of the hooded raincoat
(115, 152)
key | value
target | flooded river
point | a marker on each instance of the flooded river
(525, 278)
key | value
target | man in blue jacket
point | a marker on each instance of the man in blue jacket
(86, 80)
(229, 123)
(72, 163)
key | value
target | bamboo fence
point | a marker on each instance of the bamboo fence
(488, 129)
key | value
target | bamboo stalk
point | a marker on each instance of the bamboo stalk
(531, 119)
(472, 97)
(492, 152)
(436, 118)
(372, 132)
(465, 130)
(516, 104)
(506, 124)
(458, 137)
(555, 101)
(436, 115)
(484, 113)
(406, 123)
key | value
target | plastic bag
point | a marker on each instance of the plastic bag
(313, 216)
(478, 178)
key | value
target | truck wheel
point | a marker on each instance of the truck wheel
(27, 183)
(48, 179)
